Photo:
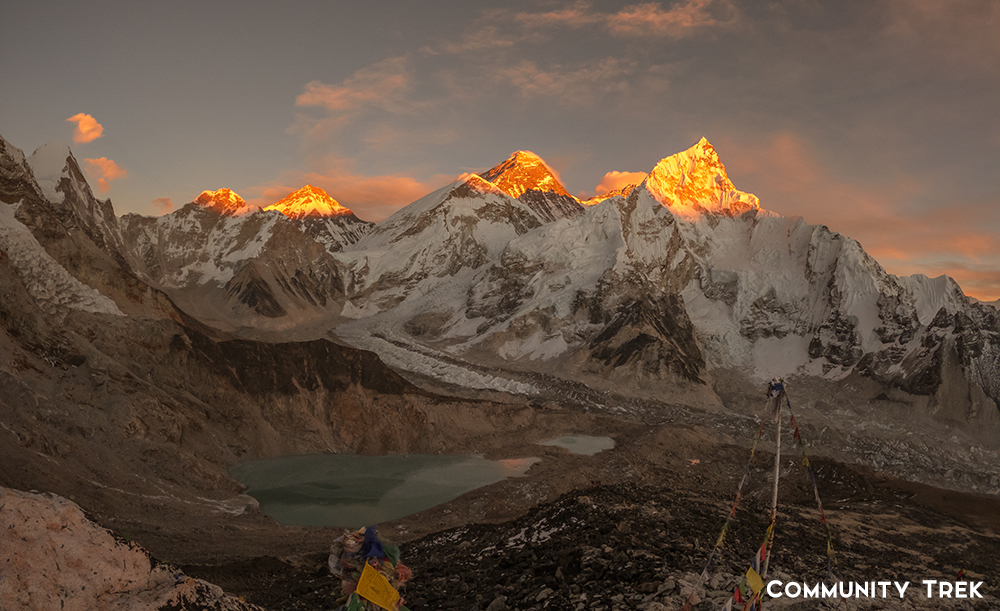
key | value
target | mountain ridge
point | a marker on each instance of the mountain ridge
(470, 272)
(308, 201)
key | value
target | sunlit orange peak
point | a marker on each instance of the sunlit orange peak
(308, 201)
(223, 200)
(622, 192)
(524, 171)
(695, 181)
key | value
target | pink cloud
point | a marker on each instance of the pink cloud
(87, 128)
(646, 19)
(576, 15)
(570, 86)
(378, 85)
(162, 205)
(651, 20)
(105, 170)
(612, 181)
(954, 238)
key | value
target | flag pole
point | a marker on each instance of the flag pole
(775, 393)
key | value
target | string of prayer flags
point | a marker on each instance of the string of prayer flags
(370, 571)
(725, 527)
(831, 556)
(748, 590)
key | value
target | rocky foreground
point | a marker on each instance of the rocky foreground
(636, 546)
(605, 547)
(55, 557)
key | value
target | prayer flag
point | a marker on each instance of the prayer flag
(376, 588)
(755, 581)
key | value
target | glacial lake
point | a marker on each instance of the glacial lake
(353, 491)
(582, 444)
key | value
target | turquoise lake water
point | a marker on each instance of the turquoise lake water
(353, 491)
(582, 444)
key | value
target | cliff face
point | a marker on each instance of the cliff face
(57, 558)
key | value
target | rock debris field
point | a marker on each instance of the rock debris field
(632, 546)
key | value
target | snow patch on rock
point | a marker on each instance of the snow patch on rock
(48, 282)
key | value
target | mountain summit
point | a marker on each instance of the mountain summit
(224, 200)
(309, 201)
(524, 171)
(525, 177)
(695, 181)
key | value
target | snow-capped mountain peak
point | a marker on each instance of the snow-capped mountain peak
(49, 163)
(525, 177)
(622, 192)
(224, 200)
(474, 184)
(694, 181)
(524, 171)
(309, 201)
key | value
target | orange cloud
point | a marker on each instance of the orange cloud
(651, 20)
(87, 128)
(646, 19)
(577, 15)
(572, 87)
(162, 205)
(612, 181)
(954, 238)
(104, 170)
(377, 85)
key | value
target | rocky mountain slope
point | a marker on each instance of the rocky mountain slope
(684, 280)
(111, 394)
(322, 218)
(236, 266)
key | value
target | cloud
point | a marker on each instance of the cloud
(651, 20)
(105, 170)
(162, 205)
(637, 20)
(570, 86)
(486, 38)
(378, 85)
(957, 238)
(87, 128)
(351, 105)
(958, 36)
(612, 181)
(371, 198)
(576, 15)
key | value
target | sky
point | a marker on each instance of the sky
(877, 118)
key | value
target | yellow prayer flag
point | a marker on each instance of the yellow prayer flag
(754, 581)
(376, 588)
(722, 535)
